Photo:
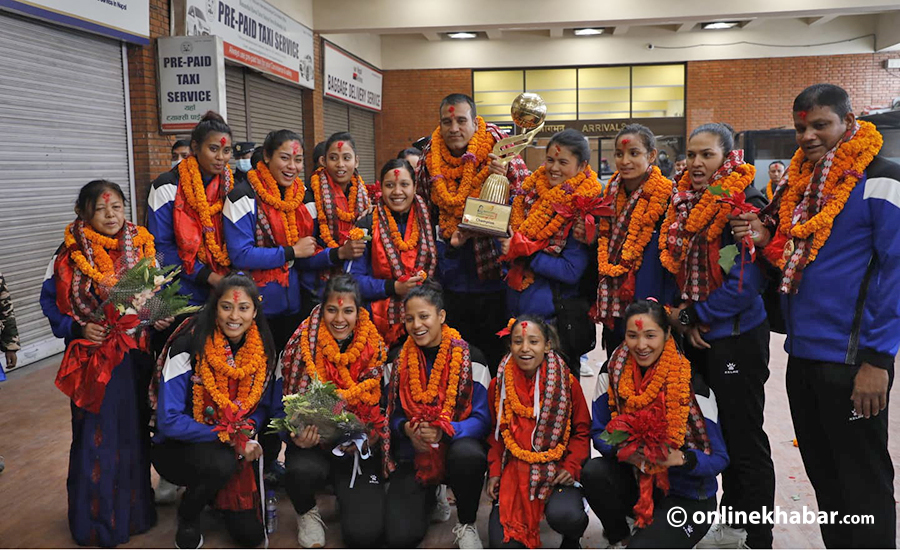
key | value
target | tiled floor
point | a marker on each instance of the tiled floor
(35, 434)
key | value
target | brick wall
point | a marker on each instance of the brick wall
(757, 94)
(151, 148)
(409, 108)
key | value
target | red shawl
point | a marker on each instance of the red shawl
(189, 230)
(271, 233)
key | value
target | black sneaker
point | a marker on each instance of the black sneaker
(188, 536)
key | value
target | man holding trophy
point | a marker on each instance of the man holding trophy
(458, 160)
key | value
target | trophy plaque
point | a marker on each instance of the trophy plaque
(489, 213)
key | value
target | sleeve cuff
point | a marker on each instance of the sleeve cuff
(690, 459)
(77, 331)
(203, 275)
(692, 314)
(333, 256)
(389, 287)
(877, 359)
(289, 255)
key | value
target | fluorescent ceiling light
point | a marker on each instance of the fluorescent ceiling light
(588, 32)
(719, 25)
(462, 35)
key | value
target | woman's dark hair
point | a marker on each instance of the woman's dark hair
(211, 122)
(181, 143)
(257, 156)
(87, 198)
(339, 136)
(343, 283)
(547, 330)
(641, 131)
(680, 156)
(574, 141)
(205, 323)
(648, 307)
(723, 131)
(430, 290)
(397, 163)
(824, 95)
(276, 139)
(409, 151)
(318, 152)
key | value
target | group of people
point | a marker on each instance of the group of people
(460, 352)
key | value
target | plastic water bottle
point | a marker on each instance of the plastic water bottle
(271, 512)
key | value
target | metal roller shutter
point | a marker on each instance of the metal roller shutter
(236, 102)
(272, 106)
(362, 128)
(337, 118)
(63, 122)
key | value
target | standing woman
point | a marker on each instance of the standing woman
(550, 269)
(628, 263)
(271, 234)
(337, 195)
(722, 316)
(402, 253)
(535, 458)
(109, 470)
(185, 209)
(339, 344)
(438, 413)
(218, 380)
(648, 373)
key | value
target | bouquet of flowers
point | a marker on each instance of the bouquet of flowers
(139, 298)
(319, 406)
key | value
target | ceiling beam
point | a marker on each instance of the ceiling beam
(432, 36)
(817, 21)
(887, 32)
(556, 32)
(619, 30)
(753, 23)
(686, 27)
(494, 34)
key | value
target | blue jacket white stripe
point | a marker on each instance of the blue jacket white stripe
(564, 271)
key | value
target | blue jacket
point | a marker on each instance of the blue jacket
(563, 271)
(697, 478)
(476, 426)
(239, 224)
(174, 410)
(63, 326)
(457, 271)
(371, 287)
(160, 207)
(727, 311)
(847, 309)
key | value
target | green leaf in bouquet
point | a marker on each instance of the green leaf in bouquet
(717, 190)
(727, 257)
(614, 438)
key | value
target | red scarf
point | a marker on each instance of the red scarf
(271, 233)
(189, 230)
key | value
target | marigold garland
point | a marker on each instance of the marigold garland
(409, 361)
(454, 179)
(191, 181)
(267, 189)
(356, 234)
(401, 244)
(770, 189)
(673, 371)
(367, 392)
(850, 162)
(349, 216)
(708, 212)
(249, 368)
(542, 220)
(655, 196)
(104, 272)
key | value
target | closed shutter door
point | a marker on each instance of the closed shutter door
(337, 118)
(272, 106)
(62, 124)
(362, 128)
(236, 102)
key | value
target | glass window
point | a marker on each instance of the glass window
(558, 87)
(604, 93)
(495, 91)
(657, 91)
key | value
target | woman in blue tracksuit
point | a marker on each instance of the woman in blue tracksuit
(722, 315)
(227, 338)
(540, 275)
(610, 485)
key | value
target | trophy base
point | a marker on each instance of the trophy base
(488, 218)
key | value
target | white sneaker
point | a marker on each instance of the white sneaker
(166, 492)
(724, 536)
(442, 506)
(311, 529)
(586, 371)
(467, 536)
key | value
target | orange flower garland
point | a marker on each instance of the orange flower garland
(215, 373)
(401, 244)
(368, 391)
(409, 361)
(191, 182)
(770, 189)
(267, 190)
(454, 179)
(512, 396)
(657, 191)
(850, 161)
(673, 371)
(709, 212)
(542, 221)
(104, 272)
(349, 216)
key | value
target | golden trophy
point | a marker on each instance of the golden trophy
(489, 213)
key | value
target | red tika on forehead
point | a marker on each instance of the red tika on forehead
(296, 148)
(106, 196)
(340, 145)
(223, 141)
(340, 302)
(639, 323)
(802, 115)
(625, 141)
(236, 295)
(396, 173)
(524, 327)
(451, 109)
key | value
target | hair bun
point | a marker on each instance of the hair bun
(212, 115)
